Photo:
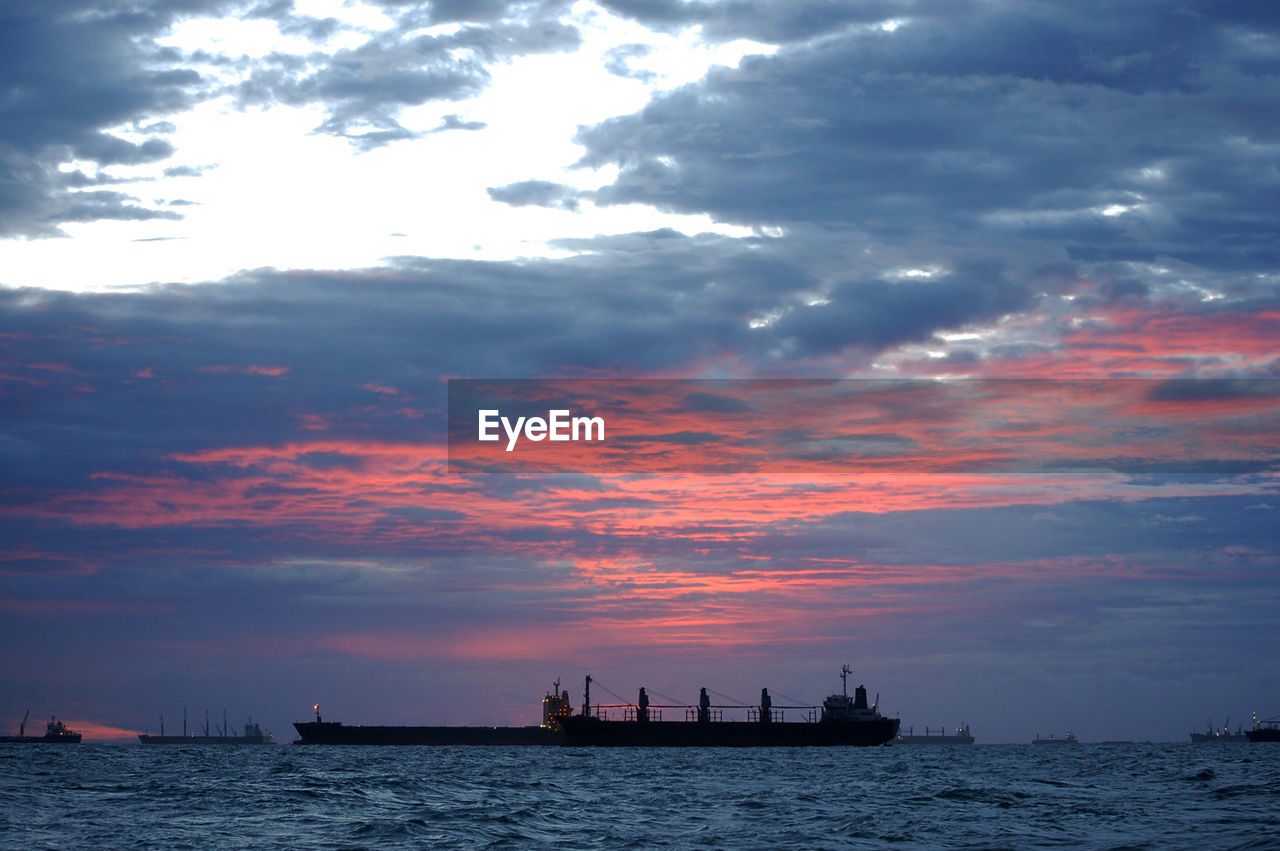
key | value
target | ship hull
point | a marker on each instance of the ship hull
(336, 733)
(1201, 738)
(594, 732)
(66, 739)
(1264, 734)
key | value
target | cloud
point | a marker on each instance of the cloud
(618, 62)
(73, 71)
(540, 193)
(454, 122)
(877, 315)
(1020, 127)
(932, 187)
(472, 11)
(364, 89)
(95, 206)
(768, 22)
(98, 73)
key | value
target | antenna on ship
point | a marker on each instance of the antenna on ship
(845, 671)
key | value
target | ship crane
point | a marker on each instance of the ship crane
(22, 728)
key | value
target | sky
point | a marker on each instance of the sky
(797, 251)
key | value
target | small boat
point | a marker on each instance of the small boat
(1052, 740)
(55, 732)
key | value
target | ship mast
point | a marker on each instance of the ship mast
(845, 671)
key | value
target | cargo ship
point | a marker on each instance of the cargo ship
(1212, 734)
(844, 720)
(1053, 740)
(940, 736)
(253, 734)
(555, 707)
(55, 732)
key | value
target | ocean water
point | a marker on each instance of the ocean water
(986, 796)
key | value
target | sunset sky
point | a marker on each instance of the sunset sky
(245, 248)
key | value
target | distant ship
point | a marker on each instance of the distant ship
(1224, 735)
(1069, 740)
(1264, 731)
(844, 721)
(940, 736)
(555, 707)
(55, 732)
(253, 735)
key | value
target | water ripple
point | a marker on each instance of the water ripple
(997, 796)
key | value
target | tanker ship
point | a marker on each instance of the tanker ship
(555, 707)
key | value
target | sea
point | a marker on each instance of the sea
(1158, 796)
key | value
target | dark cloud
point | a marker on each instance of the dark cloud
(1218, 390)
(453, 11)
(1133, 135)
(878, 315)
(250, 359)
(71, 70)
(94, 206)
(111, 149)
(79, 180)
